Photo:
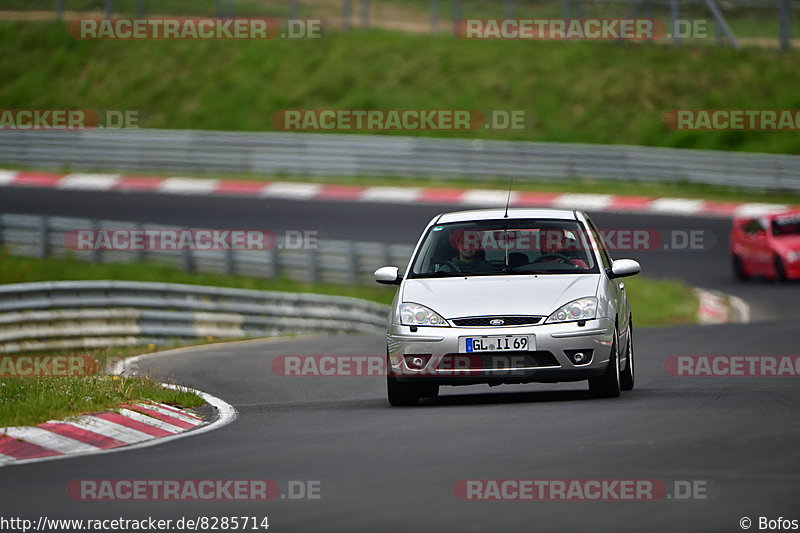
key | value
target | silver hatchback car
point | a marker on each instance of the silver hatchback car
(509, 296)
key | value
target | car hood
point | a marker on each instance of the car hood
(787, 243)
(499, 295)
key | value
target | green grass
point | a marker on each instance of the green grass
(30, 401)
(661, 302)
(573, 92)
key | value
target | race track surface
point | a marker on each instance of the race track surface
(394, 469)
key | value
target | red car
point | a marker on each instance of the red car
(767, 246)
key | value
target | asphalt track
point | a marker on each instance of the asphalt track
(393, 469)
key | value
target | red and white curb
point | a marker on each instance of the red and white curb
(718, 308)
(131, 426)
(383, 194)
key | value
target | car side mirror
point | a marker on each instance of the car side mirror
(624, 267)
(388, 275)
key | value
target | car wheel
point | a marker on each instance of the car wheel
(738, 269)
(626, 376)
(780, 270)
(607, 385)
(408, 394)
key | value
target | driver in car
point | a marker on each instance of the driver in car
(556, 247)
(468, 258)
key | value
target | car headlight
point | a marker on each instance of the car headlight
(419, 315)
(793, 256)
(581, 309)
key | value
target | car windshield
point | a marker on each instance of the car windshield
(508, 246)
(784, 226)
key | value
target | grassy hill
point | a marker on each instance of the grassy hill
(572, 91)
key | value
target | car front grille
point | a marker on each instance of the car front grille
(485, 321)
(496, 361)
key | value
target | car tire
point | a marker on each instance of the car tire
(408, 394)
(780, 270)
(738, 269)
(608, 385)
(626, 376)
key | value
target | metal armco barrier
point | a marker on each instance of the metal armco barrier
(68, 315)
(332, 261)
(387, 155)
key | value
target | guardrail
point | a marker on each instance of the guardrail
(387, 155)
(67, 315)
(332, 261)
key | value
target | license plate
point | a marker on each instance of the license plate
(505, 343)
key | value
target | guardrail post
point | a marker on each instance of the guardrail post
(94, 254)
(188, 258)
(313, 265)
(386, 255)
(273, 262)
(218, 8)
(292, 15)
(228, 262)
(456, 10)
(109, 8)
(139, 9)
(434, 16)
(138, 254)
(352, 252)
(59, 9)
(44, 237)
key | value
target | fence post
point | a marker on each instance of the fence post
(232, 9)
(566, 8)
(139, 10)
(365, 13)
(456, 10)
(218, 8)
(784, 25)
(109, 8)
(434, 16)
(509, 9)
(59, 9)
(674, 16)
(44, 237)
(292, 9)
(347, 11)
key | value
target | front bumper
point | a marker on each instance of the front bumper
(447, 363)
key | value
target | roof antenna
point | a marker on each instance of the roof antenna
(505, 228)
(508, 201)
